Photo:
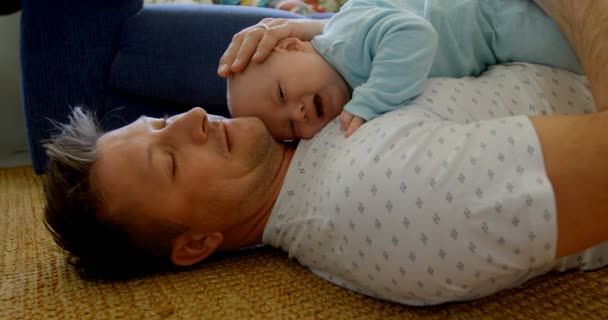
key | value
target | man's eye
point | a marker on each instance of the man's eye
(173, 165)
(281, 95)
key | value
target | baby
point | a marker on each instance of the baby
(375, 55)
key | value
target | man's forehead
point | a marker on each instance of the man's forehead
(120, 170)
(116, 136)
(117, 145)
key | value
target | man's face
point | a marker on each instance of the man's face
(295, 91)
(193, 169)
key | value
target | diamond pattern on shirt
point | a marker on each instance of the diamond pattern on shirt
(444, 199)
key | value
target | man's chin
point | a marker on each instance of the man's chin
(262, 142)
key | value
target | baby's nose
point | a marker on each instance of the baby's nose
(299, 112)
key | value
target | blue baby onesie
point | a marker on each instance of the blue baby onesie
(386, 49)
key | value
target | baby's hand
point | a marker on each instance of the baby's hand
(349, 122)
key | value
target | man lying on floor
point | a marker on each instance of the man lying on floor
(469, 190)
(473, 188)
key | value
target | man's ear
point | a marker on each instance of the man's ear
(290, 44)
(190, 248)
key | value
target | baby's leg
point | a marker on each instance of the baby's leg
(524, 33)
(585, 25)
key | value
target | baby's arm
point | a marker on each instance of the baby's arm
(402, 60)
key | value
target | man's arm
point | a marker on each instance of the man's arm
(575, 149)
(585, 25)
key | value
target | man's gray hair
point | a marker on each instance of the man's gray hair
(96, 247)
(75, 146)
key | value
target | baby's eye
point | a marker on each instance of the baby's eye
(281, 95)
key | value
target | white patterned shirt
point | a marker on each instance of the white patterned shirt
(444, 200)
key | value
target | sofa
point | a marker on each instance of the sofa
(122, 59)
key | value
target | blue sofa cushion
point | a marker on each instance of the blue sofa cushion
(67, 48)
(171, 52)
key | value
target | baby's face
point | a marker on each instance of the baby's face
(295, 92)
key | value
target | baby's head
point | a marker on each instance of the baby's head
(295, 92)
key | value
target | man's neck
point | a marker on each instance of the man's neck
(252, 233)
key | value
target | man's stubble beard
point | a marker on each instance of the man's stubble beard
(264, 148)
(267, 161)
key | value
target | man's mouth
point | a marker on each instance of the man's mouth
(227, 135)
(318, 105)
(224, 135)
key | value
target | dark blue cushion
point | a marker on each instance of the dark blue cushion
(67, 48)
(171, 52)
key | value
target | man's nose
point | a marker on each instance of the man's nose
(194, 124)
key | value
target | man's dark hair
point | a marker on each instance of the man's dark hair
(97, 247)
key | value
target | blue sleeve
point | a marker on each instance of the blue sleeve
(402, 57)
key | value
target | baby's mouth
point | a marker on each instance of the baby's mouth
(318, 105)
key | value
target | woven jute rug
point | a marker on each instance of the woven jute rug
(36, 283)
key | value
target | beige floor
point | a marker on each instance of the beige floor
(35, 283)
